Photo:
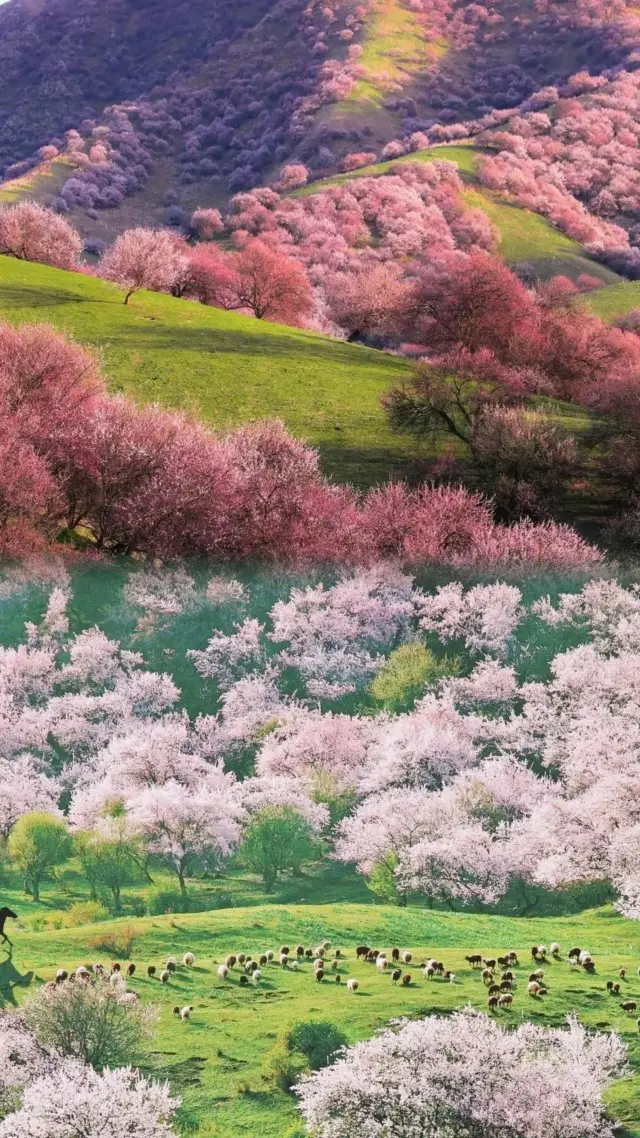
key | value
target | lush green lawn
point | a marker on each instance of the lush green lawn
(38, 184)
(228, 368)
(217, 1059)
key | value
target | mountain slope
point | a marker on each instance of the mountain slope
(227, 368)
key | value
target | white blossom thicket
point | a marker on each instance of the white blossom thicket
(74, 1101)
(486, 778)
(22, 1059)
(465, 1074)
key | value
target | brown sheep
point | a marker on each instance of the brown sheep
(395, 953)
(487, 975)
(319, 974)
(629, 1006)
(489, 962)
(507, 975)
(503, 961)
(537, 975)
(362, 950)
(338, 978)
(131, 969)
(492, 1002)
(284, 949)
(244, 980)
(299, 950)
(475, 960)
(610, 987)
(505, 1001)
(534, 988)
(406, 979)
(308, 953)
(615, 989)
(589, 967)
(151, 971)
(506, 986)
(622, 972)
(493, 990)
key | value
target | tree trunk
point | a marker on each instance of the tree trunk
(35, 889)
(115, 889)
(129, 295)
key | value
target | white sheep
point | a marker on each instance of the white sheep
(584, 957)
(256, 976)
(165, 976)
(223, 971)
(406, 958)
(185, 1013)
(295, 966)
(452, 977)
(533, 988)
(116, 982)
(62, 975)
(381, 963)
(353, 985)
(428, 972)
(189, 959)
(284, 959)
(554, 948)
(83, 973)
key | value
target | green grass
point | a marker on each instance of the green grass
(228, 368)
(394, 50)
(613, 302)
(216, 1060)
(39, 184)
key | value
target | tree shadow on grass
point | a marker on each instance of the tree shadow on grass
(18, 296)
(241, 341)
(11, 978)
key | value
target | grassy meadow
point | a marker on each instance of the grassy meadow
(219, 1061)
(226, 368)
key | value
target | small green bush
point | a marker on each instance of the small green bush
(119, 944)
(407, 672)
(317, 1040)
(161, 901)
(284, 1067)
(85, 913)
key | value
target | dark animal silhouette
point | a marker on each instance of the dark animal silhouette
(5, 914)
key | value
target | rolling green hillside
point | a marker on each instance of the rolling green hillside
(219, 1060)
(527, 240)
(228, 368)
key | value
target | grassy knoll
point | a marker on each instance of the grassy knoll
(217, 1060)
(38, 184)
(227, 368)
(394, 50)
(613, 302)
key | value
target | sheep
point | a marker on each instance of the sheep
(502, 961)
(131, 969)
(406, 979)
(176, 1010)
(115, 967)
(537, 975)
(574, 953)
(610, 986)
(308, 952)
(505, 1001)
(231, 961)
(506, 986)
(61, 976)
(362, 950)
(432, 964)
(189, 959)
(338, 978)
(83, 973)
(487, 975)
(450, 976)
(507, 975)
(629, 1006)
(284, 960)
(489, 962)
(242, 958)
(295, 966)
(492, 1002)
(262, 959)
(638, 1023)
(396, 974)
(115, 980)
(128, 998)
(475, 960)
(185, 1013)
(335, 964)
(98, 969)
(407, 957)
(589, 967)
(534, 988)
(319, 951)
(269, 955)
(256, 976)
(395, 954)
(337, 953)
(353, 985)
(554, 948)
(299, 950)
(319, 974)
(243, 981)
(622, 972)
(512, 957)
(326, 944)
(164, 976)
(223, 971)
(381, 963)
(171, 966)
(615, 989)
(584, 957)
(284, 949)
(493, 990)
(151, 971)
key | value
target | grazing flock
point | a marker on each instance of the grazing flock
(501, 975)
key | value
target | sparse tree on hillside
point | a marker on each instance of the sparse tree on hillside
(272, 285)
(37, 843)
(206, 224)
(144, 258)
(277, 839)
(30, 232)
